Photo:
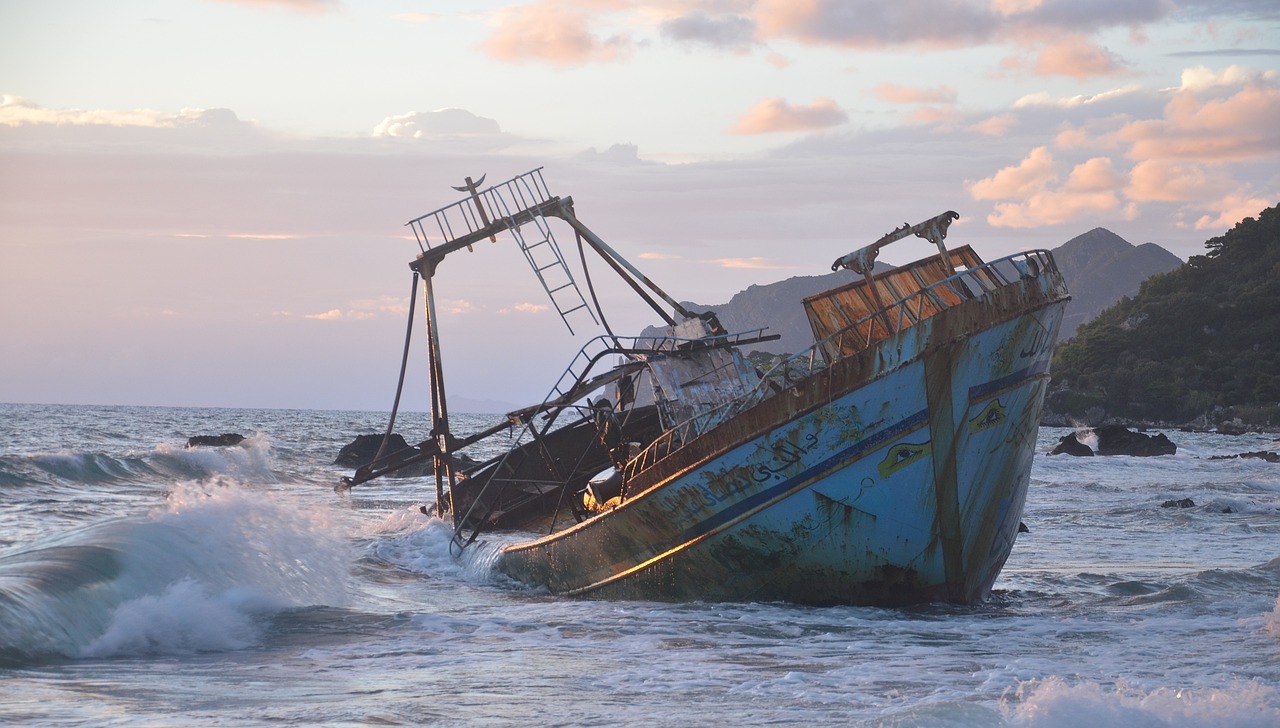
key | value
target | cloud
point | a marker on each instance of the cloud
(659, 256)
(1043, 98)
(624, 154)
(1202, 78)
(525, 308)
(455, 306)
(19, 111)
(776, 115)
(996, 125)
(361, 310)
(435, 124)
(1032, 173)
(1164, 180)
(1232, 209)
(1241, 126)
(258, 236)
(754, 262)
(306, 6)
(1090, 188)
(726, 32)
(896, 94)
(552, 33)
(1077, 58)
(876, 24)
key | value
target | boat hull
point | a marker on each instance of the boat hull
(895, 476)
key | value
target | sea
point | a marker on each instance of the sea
(143, 583)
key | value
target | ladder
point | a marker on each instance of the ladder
(512, 204)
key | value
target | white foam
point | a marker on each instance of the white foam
(194, 575)
(182, 619)
(1056, 703)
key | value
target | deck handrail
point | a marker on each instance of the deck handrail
(958, 284)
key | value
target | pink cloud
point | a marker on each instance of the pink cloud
(1090, 188)
(1077, 58)
(1241, 126)
(755, 263)
(306, 6)
(1165, 180)
(996, 125)
(524, 308)
(776, 115)
(894, 93)
(1032, 173)
(1232, 209)
(551, 33)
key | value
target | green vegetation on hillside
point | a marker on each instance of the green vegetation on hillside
(1202, 339)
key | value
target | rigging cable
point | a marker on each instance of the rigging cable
(404, 361)
(586, 273)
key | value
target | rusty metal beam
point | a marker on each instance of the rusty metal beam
(625, 270)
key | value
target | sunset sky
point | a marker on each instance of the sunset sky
(202, 202)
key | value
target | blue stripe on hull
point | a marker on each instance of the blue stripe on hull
(836, 506)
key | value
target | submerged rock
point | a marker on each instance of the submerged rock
(1179, 503)
(227, 439)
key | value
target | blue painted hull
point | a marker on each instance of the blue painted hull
(894, 476)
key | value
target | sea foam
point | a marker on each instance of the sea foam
(198, 573)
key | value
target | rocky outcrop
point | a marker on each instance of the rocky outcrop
(1071, 445)
(227, 439)
(363, 449)
(1267, 455)
(1115, 440)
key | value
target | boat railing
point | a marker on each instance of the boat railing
(474, 213)
(965, 285)
(568, 390)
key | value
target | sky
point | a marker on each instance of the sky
(203, 202)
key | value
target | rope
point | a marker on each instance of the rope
(404, 362)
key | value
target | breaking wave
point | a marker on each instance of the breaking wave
(251, 460)
(200, 573)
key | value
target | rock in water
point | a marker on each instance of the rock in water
(1179, 503)
(1118, 440)
(1071, 445)
(227, 439)
(364, 448)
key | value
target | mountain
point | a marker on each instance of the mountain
(775, 305)
(1200, 341)
(1100, 268)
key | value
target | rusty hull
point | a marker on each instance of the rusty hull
(896, 475)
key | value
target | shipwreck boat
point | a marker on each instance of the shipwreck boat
(887, 464)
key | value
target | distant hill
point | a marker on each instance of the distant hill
(1200, 341)
(1100, 268)
(776, 305)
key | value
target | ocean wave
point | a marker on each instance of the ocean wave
(197, 574)
(1056, 702)
(250, 461)
(418, 543)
